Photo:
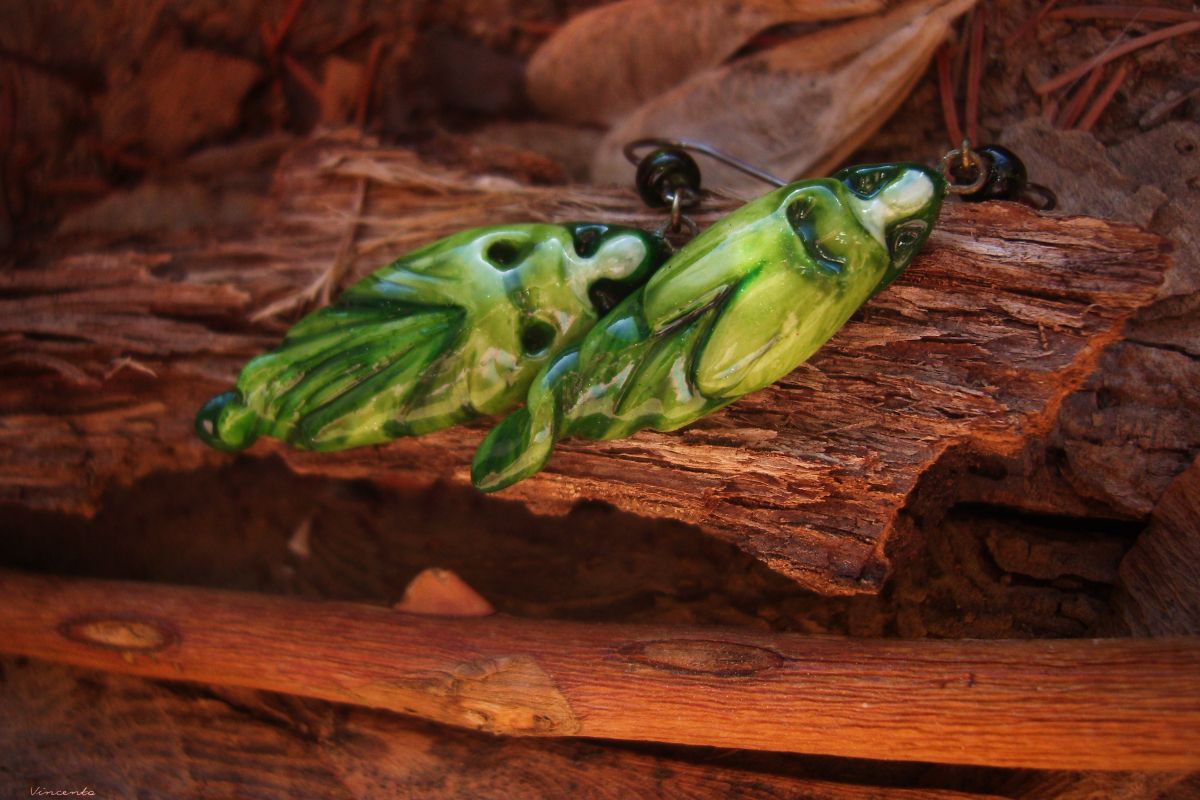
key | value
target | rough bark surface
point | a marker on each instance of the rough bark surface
(1157, 590)
(1003, 316)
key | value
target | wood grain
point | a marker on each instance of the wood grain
(111, 351)
(62, 727)
(1094, 704)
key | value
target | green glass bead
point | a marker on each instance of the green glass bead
(451, 331)
(737, 308)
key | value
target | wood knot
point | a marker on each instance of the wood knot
(505, 694)
(702, 657)
(509, 694)
(128, 634)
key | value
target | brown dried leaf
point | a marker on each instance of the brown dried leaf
(340, 90)
(797, 109)
(181, 96)
(607, 61)
(441, 593)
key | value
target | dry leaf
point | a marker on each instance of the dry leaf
(607, 61)
(179, 97)
(340, 90)
(797, 109)
(441, 593)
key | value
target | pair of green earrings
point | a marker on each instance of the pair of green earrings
(598, 329)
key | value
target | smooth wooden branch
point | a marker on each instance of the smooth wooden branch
(1085, 704)
(109, 354)
(129, 738)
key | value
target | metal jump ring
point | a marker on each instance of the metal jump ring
(678, 221)
(686, 224)
(968, 157)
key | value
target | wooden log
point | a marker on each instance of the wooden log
(110, 353)
(62, 728)
(1079, 704)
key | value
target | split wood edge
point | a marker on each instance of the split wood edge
(1129, 704)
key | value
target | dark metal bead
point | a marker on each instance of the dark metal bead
(1006, 178)
(664, 172)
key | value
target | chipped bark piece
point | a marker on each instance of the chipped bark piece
(973, 350)
(1038, 556)
(1078, 704)
(1076, 160)
(1177, 176)
(1157, 592)
(1134, 425)
(441, 593)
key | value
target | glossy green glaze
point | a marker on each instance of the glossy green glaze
(451, 331)
(737, 308)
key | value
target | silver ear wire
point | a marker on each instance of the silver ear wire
(631, 149)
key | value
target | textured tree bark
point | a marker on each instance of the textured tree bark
(110, 353)
(1080, 704)
(1157, 593)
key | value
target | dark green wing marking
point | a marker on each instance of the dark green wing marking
(336, 383)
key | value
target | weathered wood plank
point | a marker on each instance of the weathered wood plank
(1129, 704)
(64, 728)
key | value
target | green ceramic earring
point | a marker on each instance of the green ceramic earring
(455, 330)
(737, 308)
(585, 323)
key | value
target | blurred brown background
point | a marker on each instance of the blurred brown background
(127, 124)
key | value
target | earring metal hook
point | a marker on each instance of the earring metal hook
(631, 149)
